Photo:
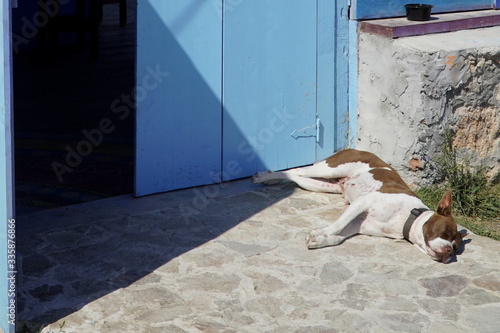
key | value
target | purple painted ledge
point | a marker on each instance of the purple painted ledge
(401, 27)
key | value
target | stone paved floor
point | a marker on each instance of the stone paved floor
(232, 258)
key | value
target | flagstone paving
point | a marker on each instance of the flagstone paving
(232, 258)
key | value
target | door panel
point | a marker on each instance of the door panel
(178, 137)
(269, 85)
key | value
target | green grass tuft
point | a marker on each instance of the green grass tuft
(476, 202)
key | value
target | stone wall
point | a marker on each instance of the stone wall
(412, 89)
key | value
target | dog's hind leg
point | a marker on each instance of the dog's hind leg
(269, 177)
(325, 170)
(318, 185)
(318, 170)
(318, 177)
(322, 170)
(310, 184)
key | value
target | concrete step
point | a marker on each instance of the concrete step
(402, 27)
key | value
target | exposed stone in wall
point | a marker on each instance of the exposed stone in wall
(411, 90)
(477, 136)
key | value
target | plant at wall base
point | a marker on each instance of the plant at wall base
(476, 202)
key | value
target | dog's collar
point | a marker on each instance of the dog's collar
(415, 212)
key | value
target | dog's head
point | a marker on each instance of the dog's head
(440, 232)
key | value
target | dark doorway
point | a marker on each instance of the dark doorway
(70, 147)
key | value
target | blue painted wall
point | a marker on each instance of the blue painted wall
(368, 9)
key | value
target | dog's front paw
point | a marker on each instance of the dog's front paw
(319, 238)
(316, 239)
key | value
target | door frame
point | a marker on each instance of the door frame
(7, 222)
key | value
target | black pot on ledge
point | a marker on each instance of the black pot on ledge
(418, 12)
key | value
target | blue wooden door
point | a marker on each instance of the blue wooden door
(251, 85)
(7, 222)
(178, 95)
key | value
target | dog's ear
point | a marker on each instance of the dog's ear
(444, 207)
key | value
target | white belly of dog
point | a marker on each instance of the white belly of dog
(360, 185)
(387, 212)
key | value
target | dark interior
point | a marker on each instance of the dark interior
(70, 144)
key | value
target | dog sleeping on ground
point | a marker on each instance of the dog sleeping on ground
(381, 204)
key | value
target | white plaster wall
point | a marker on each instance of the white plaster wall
(412, 89)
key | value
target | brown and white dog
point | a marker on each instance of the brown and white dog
(381, 204)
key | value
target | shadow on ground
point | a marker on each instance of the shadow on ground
(71, 258)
